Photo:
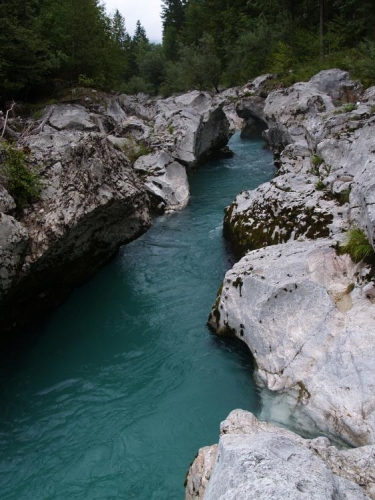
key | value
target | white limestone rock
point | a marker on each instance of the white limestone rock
(71, 116)
(164, 179)
(194, 126)
(256, 460)
(90, 204)
(338, 85)
(200, 472)
(140, 106)
(300, 309)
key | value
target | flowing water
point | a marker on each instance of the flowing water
(123, 383)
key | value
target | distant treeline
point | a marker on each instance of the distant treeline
(48, 45)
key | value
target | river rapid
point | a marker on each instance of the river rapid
(120, 387)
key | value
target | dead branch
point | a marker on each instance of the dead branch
(99, 124)
(40, 127)
(7, 131)
(5, 126)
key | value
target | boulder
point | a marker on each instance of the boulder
(92, 202)
(140, 106)
(70, 116)
(301, 310)
(165, 180)
(338, 85)
(255, 460)
(195, 126)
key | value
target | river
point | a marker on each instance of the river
(120, 387)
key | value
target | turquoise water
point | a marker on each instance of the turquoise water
(124, 383)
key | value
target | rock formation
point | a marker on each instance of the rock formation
(302, 305)
(257, 461)
(101, 160)
(305, 310)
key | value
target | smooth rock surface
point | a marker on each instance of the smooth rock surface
(196, 125)
(70, 116)
(165, 180)
(300, 309)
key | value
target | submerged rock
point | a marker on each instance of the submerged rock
(255, 460)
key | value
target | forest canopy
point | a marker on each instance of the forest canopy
(49, 45)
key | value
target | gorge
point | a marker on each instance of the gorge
(298, 297)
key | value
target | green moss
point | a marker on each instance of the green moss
(134, 150)
(347, 108)
(343, 197)
(350, 288)
(265, 225)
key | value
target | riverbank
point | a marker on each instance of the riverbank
(299, 297)
(124, 382)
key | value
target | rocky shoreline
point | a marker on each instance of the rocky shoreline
(304, 308)
(106, 164)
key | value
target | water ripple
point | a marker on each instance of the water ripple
(125, 383)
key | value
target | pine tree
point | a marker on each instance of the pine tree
(173, 14)
(140, 35)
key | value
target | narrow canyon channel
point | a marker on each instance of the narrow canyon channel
(124, 383)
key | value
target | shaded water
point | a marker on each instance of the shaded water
(125, 382)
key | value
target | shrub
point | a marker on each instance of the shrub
(320, 186)
(343, 197)
(85, 81)
(22, 182)
(358, 246)
(134, 150)
(347, 108)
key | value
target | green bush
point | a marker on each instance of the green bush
(134, 150)
(320, 186)
(358, 246)
(347, 108)
(21, 181)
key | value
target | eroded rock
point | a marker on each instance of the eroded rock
(91, 203)
(301, 310)
(165, 180)
(256, 460)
